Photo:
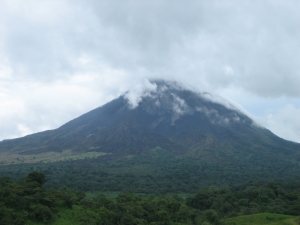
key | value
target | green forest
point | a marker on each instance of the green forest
(28, 201)
(161, 174)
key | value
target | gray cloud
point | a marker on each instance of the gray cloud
(220, 43)
(93, 51)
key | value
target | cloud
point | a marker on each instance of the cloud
(33, 38)
(139, 91)
(284, 122)
(158, 90)
(88, 52)
(214, 117)
(28, 106)
(216, 43)
(179, 105)
(176, 40)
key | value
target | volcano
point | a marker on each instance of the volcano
(164, 116)
(158, 138)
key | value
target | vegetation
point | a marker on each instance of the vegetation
(159, 173)
(46, 157)
(262, 219)
(29, 202)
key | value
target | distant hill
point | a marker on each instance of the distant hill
(165, 122)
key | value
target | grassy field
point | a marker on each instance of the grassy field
(263, 219)
(47, 157)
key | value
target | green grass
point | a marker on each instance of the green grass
(262, 219)
(47, 157)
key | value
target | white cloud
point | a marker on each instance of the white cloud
(5, 69)
(179, 105)
(139, 91)
(285, 122)
(28, 106)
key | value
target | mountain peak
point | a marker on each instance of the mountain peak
(161, 97)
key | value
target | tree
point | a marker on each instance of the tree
(36, 176)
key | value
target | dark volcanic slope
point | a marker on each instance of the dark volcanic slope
(172, 118)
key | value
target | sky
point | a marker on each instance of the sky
(62, 58)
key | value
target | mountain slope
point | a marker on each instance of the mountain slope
(168, 116)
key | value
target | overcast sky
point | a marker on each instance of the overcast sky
(62, 58)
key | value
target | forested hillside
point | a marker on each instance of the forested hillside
(159, 173)
(29, 202)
